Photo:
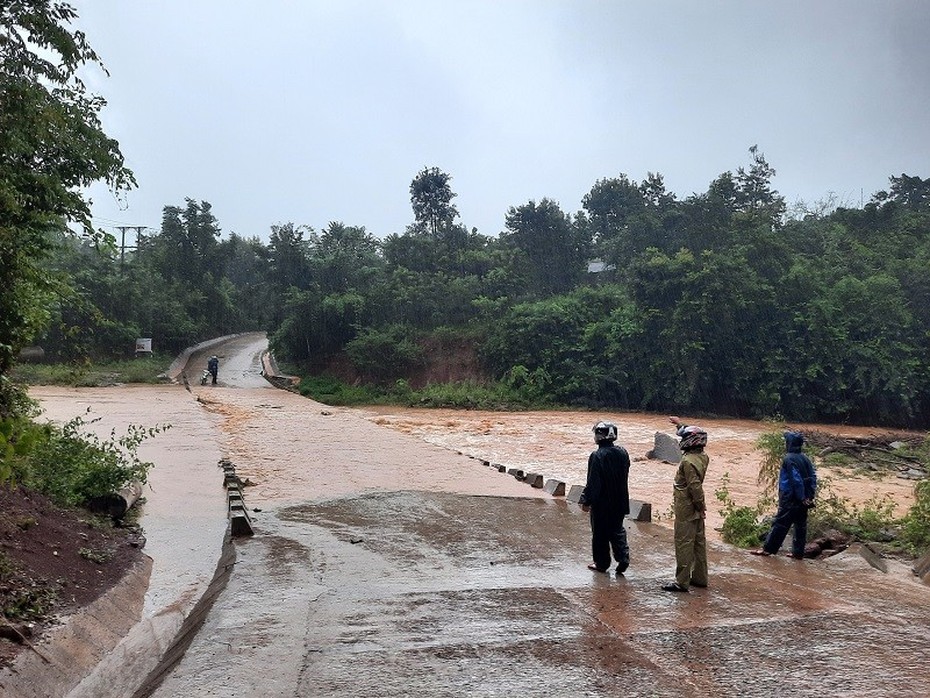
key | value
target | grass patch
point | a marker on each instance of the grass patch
(840, 460)
(93, 374)
(455, 395)
(332, 391)
(95, 555)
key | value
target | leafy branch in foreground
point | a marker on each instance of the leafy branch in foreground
(71, 465)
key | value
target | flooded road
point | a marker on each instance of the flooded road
(386, 563)
(557, 444)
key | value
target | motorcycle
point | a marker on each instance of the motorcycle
(205, 376)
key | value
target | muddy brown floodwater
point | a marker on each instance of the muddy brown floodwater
(557, 444)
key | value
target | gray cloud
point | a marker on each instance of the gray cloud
(318, 111)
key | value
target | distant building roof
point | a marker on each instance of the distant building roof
(595, 266)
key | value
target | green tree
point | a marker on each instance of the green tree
(625, 218)
(52, 146)
(710, 332)
(552, 249)
(344, 257)
(431, 197)
(187, 245)
(559, 342)
(912, 193)
(289, 256)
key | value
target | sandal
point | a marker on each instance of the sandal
(675, 586)
(595, 568)
(761, 551)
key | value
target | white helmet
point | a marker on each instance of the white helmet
(605, 431)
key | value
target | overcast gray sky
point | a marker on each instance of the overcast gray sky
(310, 112)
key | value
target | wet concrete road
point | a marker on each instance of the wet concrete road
(386, 566)
(433, 594)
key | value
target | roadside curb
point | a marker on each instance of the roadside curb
(72, 651)
(174, 370)
(271, 374)
(181, 640)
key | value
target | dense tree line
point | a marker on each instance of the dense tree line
(720, 301)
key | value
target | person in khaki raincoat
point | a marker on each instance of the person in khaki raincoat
(690, 510)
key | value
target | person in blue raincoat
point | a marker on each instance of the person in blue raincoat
(797, 487)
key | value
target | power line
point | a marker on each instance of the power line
(112, 222)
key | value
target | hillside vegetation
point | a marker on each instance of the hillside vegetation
(723, 302)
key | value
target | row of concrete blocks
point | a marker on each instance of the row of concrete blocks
(239, 522)
(639, 511)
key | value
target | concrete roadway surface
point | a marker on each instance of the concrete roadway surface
(385, 566)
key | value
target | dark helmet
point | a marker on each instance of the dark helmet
(605, 431)
(692, 437)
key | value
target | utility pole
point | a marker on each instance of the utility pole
(123, 246)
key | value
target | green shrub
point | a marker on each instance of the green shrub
(874, 520)
(384, 354)
(71, 467)
(143, 369)
(332, 391)
(915, 526)
(741, 524)
(468, 394)
(18, 437)
(461, 395)
(772, 446)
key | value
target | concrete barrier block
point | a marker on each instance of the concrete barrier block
(500, 468)
(555, 487)
(640, 511)
(516, 472)
(574, 493)
(534, 480)
(239, 525)
(665, 448)
(870, 556)
(922, 567)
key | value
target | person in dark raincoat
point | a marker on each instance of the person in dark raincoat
(213, 366)
(606, 498)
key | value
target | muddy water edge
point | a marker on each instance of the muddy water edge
(557, 444)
